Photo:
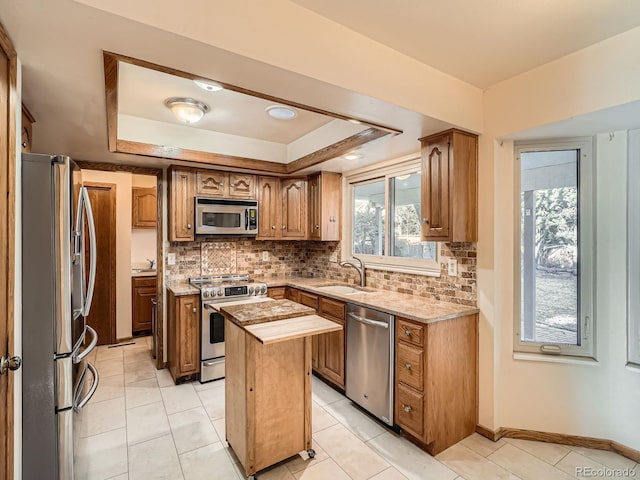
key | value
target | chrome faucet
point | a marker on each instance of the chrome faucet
(359, 268)
(152, 263)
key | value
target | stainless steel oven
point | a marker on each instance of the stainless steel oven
(225, 216)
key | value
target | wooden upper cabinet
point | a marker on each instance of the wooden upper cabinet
(27, 130)
(269, 208)
(450, 187)
(181, 204)
(242, 185)
(294, 208)
(144, 207)
(212, 183)
(324, 206)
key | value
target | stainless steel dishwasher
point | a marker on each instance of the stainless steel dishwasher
(370, 360)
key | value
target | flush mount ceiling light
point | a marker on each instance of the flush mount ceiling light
(352, 156)
(280, 112)
(187, 110)
(208, 86)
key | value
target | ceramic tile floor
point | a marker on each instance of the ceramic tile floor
(139, 425)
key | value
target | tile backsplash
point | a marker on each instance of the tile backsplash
(269, 258)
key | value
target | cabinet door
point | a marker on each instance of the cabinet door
(315, 352)
(332, 356)
(144, 207)
(212, 183)
(315, 207)
(330, 204)
(27, 129)
(242, 186)
(294, 208)
(188, 334)
(182, 206)
(269, 208)
(435, 189)
(142, 308)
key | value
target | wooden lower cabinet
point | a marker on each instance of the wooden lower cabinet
(277, 293)
(143, 291)
(436, 390)
(183, 335)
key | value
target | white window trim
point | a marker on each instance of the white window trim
(633, 252)
(587, 253)
(404, 165)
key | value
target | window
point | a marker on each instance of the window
(555, 194)
(384, 228)
(633, 334)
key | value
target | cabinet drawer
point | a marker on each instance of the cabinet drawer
(309, 299)
(293, 294)
(144, 281)
(410, 411)
(332, 308)
(277, 293)
(409, 366)
(410, 332)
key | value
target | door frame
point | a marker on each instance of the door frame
(113, 190)
(7, 241)
(159, 174)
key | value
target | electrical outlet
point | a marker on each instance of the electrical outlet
(333, 257)
(171, 259)
(265, 256)
(452, 267)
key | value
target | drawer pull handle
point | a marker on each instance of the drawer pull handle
(407, 366)
(195, 310)
(407, 408)
(407, 332)
(273, 227)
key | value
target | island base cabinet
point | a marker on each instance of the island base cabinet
(267, 398)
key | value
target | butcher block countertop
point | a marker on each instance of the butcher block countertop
(289, 329)
(253, 313)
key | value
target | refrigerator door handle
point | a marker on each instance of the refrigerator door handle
(92, 252)
(96, 379)
(78, 357)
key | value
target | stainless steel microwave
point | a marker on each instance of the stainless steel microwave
(226, 216)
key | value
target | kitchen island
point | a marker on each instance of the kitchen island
(268, 380)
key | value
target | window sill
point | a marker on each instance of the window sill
(554, 358)
(402, 269)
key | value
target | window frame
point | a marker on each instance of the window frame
(633, 250)
(586, 252)
(384, 171)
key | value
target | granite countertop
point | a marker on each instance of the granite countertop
(182, 287)
(254, 313)
(151, 273)
(420, 309)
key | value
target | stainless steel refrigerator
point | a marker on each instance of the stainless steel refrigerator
(57, 289)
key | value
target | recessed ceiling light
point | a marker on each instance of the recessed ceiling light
(186, 109)
(208, 86)
(352, 156)
(280, 112)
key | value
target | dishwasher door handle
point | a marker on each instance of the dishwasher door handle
(368, 321)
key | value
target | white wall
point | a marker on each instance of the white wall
(598, 400)
(123, 244)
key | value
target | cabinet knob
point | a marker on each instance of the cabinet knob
(273, 227)
(188, 226)
(425, 221)
(407, 366)
(221, 184)
(195, 310)
(407, 332)
(317, 227)
(407, 408)
(284, 227)
(24, 144)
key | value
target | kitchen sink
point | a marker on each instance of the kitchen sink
(344, 289)
(143, 270)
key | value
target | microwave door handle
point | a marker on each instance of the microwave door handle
(246, 219)
(92, 253)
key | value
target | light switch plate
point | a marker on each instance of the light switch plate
(452, 267)
(171, 259)
(265, 256)
(333, 257)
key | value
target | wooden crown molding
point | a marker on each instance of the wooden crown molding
(114, 167)
(561, 438)
(111, 61)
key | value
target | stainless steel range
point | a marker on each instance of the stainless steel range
(216, 292)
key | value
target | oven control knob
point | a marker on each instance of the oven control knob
(251, 292)
(205, 294)
(263, 289)
(219, 292)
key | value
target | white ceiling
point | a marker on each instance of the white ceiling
(142, 92)
(483, 41)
